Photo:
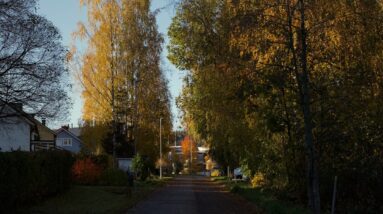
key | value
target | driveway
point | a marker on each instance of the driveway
(190, 195)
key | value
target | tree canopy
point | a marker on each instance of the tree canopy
(32, 61)
(289, 89)
(125, 90)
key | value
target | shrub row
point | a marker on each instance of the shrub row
(27, 177)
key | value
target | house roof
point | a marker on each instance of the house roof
(16, 112)
(69, 132)
(36, 122)
(27, 117)
(76, 131)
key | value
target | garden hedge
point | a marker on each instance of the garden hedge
(28, 177)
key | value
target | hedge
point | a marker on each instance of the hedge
(28, 177)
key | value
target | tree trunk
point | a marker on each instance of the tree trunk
(312, 170)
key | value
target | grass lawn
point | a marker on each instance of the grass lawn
(96, 199)
(264, 200)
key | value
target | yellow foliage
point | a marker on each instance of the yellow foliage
(123, 52)
(215, 173)
(258, 180)
(186, 144)
(209, 163)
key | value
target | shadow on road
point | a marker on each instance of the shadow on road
(193, 194)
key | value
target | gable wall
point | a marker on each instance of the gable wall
(45, 135)
(14, 134)
(76, 145)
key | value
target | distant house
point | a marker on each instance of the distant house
(21, 131)
(69, 139)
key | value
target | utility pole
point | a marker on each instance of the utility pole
(191, 156)
(160, 148)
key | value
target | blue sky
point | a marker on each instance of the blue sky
(65, 14)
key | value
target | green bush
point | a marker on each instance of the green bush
(113, 177)
(140, 167)
(27, 177)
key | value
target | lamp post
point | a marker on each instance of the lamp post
(191, 156)
(160, 149)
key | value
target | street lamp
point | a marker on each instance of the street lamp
(191, 156)
(160, 149)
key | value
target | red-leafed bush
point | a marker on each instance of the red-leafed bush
(86, 171)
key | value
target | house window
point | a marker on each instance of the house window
(66, 142)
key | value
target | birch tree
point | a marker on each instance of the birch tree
(124, 87)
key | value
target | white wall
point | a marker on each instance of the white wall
(125, 164)
(14, 134)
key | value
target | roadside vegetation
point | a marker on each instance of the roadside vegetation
(27, 178)
(289, 90)
(267, 200)
(59, 182)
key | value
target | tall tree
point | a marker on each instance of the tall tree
(32, 61)
(189, 151)
(296, 74)
(124, 87)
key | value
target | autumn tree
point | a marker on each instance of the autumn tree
(124, 87)
(279, 85)
(201, 45)
(189, 152)
(151, 97)
(298, 43)
(99, 64)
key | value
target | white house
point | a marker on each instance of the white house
(21, 131)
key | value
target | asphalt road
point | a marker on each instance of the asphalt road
(190, 195)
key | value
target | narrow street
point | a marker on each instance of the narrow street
(192, 194)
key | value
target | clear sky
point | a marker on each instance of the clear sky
(65, 14)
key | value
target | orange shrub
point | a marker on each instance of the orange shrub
(85, 171)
